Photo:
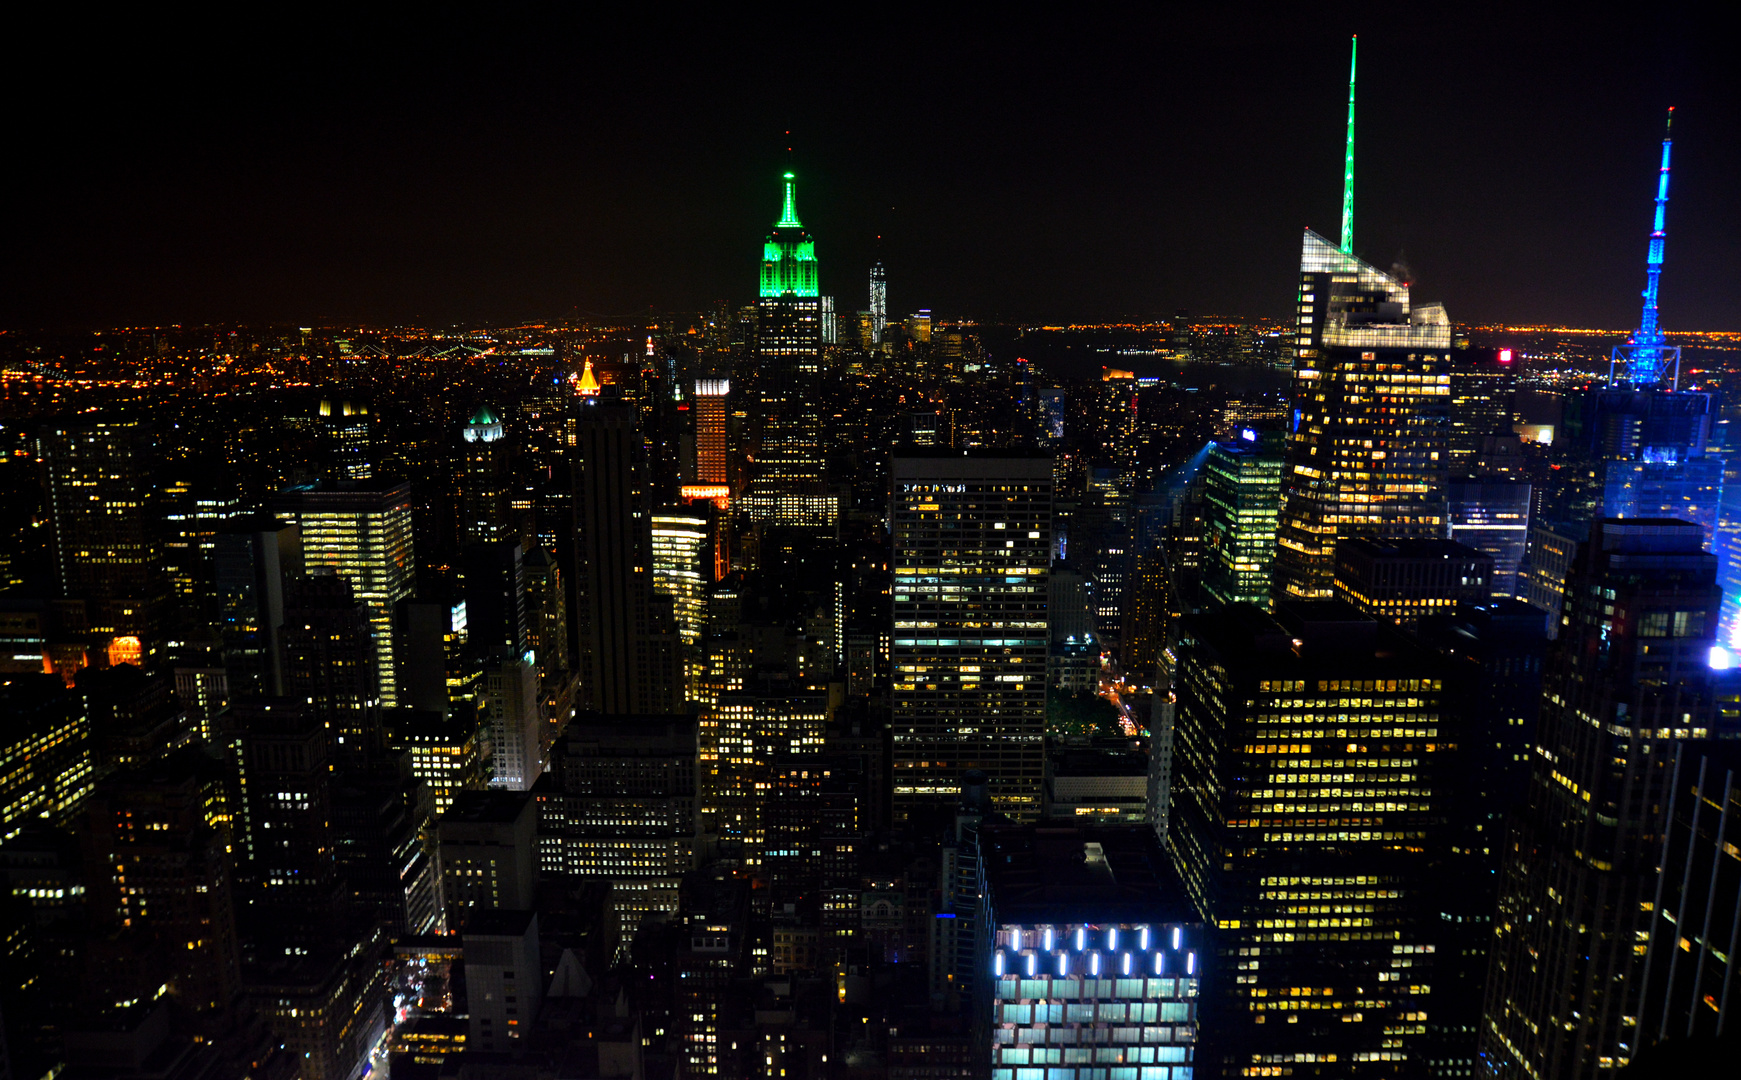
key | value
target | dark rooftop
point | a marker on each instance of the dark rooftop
(498, 922)
(1037, 873)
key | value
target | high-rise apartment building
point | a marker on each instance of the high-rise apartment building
(1305, 799)
(1367, 454)
(1627, 679)
(1241, 495)
(362, 534)
(105, 538)
(972, 550)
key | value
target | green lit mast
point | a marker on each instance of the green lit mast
(1347, 159)
(789, 253)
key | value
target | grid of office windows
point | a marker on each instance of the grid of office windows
(972, 554)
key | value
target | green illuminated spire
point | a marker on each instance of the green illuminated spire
(789, 212)
(789, 253)
(1347, 160)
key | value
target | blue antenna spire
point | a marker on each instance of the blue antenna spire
(1647, 353)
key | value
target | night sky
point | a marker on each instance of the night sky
(362, 165)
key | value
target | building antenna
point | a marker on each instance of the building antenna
(1647, 352)
(1348, 156)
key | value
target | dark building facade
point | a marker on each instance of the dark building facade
(1627, 679)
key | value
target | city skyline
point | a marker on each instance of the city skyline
(860, 678)
(1035, 174)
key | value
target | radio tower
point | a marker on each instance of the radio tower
(1647, 353)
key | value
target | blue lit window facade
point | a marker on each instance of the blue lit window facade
(1074, 1001)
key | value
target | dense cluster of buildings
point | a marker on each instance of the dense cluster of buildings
(795, 696)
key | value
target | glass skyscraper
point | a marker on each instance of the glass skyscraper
(1241, 494)
(1368, 449)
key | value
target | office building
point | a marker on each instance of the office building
(344, 428)
(45, 751)
(740, 740)
(252, 559)
(1695, 920)
(485, 510)
(1495, 653)
(629, 658)
(509, 711)
(283, 836)
(1483, 382)
(1241, 495)
(1366, 456)
(972, 550)
(681, 570)
(489, 852)
(134, 718)
(1305, 806)
(324, 997)
(1095, 954)
(104, 534)
(879, 303)
(496, 617)
(504, 979)
(329, 664)
(788, 487)
(382, 815)
(1090, 785)
(620, 803)
(1403, 580)
(546, 614)
(1553, 548)
(1491, 514)
(1627, 678)
(362, 534)
(157, 875)
(448, 752)
(712, 432)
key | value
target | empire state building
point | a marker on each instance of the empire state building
(789, 488)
